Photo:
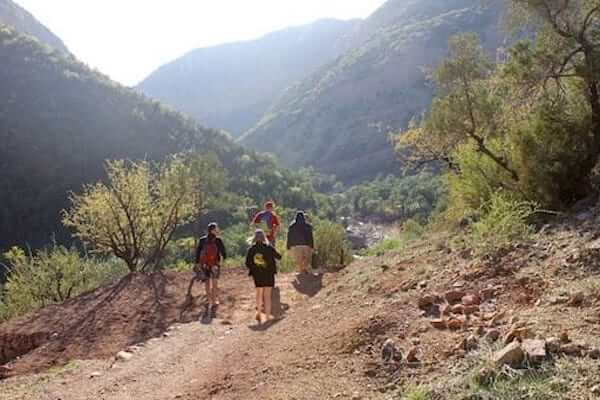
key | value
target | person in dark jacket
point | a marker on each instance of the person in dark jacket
(300, 242)
(209, 255)
(261, 261)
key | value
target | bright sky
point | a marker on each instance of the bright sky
(128, 39)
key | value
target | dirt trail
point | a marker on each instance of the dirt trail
(231, 357)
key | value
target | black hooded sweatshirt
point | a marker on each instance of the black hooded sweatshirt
(300, 233)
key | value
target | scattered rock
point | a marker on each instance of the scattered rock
(492, 335)
(511, 355)
(577, 299)
(439, 323)
(487, 293)
(390, 352)
(563, 299)
(564, 337)
(412, 356)
(445, 309)
(458, 309)
(471, 343)
(553, 345)
(455, 324)
(594, 354)
(470, 310)
(454, 295)
(497, 318)
(95, 375)
(4, 370)
(517, 334)
(595, 390)
(471, 300)
(573, 349)
(535, 350)
(124, 356)
(427, 301)
(480, 331)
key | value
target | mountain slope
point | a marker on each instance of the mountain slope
(231, 86)
(339, 118)
(14, 15)
(60, 121)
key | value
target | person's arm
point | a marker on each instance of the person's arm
(221, 246)
(199, 250)
(256, 219)
(275, 224)
(249, 261)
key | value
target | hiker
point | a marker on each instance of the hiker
(301, 243)
(262, 266)
(271, 219)
(210, 253)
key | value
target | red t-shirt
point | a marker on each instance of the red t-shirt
(269, 218)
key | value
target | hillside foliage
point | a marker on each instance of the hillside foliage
(527, 126)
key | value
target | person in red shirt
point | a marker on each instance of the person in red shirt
(271, 219)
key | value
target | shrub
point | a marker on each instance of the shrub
(331, 245)
(504, 220)
(51, 276)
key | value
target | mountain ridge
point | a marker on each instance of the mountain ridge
(14, 15)
(231, 86)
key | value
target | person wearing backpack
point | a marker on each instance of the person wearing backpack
(209, 254)
(270, 219)
(261, 261)
(301, 243)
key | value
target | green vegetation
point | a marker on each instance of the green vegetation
(518, 135)
(51, 276)
(136, 214)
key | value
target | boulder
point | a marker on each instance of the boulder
(517, 334)
(492, 335)
(390, 352)
(455, 324)
(535, 350)
(577, 299)
(594, 354)
(124, 356)
(412, 356)
(487, 293)
(511, 355)
(470, 310)
(454, 295)
(458, 309)
(553, 345)
(573, 349)
(439, 323)
(471, 300)
(471, 343)
(427, 301)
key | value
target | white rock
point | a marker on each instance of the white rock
(124, 356)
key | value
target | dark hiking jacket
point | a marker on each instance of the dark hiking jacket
(300, 233)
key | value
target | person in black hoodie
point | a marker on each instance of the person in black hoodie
(262, 266)
(301, 243)
(209, 254)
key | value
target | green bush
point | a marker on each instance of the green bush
(331, 246)
(51, 276)
(504, 220)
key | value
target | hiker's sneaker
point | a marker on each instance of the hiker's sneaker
(270, 317)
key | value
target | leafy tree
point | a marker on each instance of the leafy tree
(137, 212)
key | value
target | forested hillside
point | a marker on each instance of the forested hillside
(14, 15)
(339, 119)
(231, 86)
(60, 122)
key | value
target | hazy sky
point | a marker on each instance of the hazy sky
(128, 39)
